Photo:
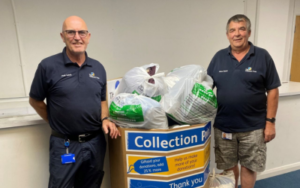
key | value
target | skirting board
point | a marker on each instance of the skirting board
(278, 171)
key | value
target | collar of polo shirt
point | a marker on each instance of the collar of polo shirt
(67, 60)
(251, 50)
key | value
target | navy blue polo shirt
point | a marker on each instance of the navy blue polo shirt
(73, 93)
(241, 88)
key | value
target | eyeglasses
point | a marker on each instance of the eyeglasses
(72, 33)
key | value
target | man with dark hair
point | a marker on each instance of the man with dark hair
(245, 121)
(75, 88)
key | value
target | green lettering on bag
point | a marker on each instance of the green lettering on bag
(157, 98)
(205, 94)
(132, 113)
(135, 92)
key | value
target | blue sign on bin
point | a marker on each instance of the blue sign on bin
(167, 141)
(151, 165)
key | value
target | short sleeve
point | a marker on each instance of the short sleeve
(210, 70)
(39, 87)
(272, 80)
(103, 91)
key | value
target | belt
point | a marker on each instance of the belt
(79, 138)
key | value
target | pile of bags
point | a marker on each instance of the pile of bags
(144, 97)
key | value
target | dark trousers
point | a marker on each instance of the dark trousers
(86, 172)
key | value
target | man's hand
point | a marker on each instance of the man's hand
(110, 127)
(269, 131)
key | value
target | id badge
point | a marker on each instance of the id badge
(68, 158)
(227, 136)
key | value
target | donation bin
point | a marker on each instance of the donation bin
(172, 158)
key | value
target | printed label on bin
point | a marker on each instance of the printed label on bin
(192, 181)
(149, 141)
(170, 165)
(149, 165)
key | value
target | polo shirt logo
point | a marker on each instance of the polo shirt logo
(223, 70)
(249, 69)
(92, 75)
(66, 75)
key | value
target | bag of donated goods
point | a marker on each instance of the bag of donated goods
(144, 81)
(190, 99)
(223, 180)
(137, 111)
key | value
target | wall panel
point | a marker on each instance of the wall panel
(11, 79)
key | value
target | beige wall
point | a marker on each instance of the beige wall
(128, 33)
(125, 34)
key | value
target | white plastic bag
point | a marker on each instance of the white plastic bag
(224, 180)
(144, 81)
(137, 111)
(190, 99)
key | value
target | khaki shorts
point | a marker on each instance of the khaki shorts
(247, 147)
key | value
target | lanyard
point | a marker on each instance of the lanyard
(67, 145)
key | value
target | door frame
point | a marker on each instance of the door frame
(290, 41)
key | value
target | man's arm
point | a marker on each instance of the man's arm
(272, 104)
(40, 107)
(107, 125)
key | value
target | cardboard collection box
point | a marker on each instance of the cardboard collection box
(172, 158)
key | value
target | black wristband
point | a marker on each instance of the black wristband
(104, 119)
(272, 120)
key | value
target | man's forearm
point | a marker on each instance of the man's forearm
(40, 107)
(272, 102)
(104, 109)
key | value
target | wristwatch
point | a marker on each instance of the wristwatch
(104, 119)
(272, 120)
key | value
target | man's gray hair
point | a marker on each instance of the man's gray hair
(239, 18)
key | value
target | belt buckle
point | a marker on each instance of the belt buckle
(80, 137)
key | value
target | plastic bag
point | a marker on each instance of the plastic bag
(137, 111)
(144, 81)
(190, 99)
(223, 180)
